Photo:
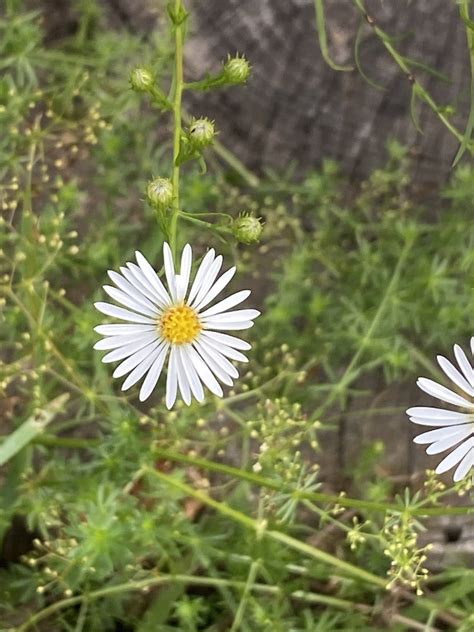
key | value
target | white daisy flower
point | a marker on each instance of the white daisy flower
(173, 321)
(453, 428)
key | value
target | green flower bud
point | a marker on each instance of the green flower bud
(141, 80)
(201, 133)
(247, 228)
(160, 192)
(236, 70)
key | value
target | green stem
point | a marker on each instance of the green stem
(190, 580)
(261, 530)
(469, 24)
(239, 615)
(178, 93)
(333, 499)
(322, 37)
(404, 66)
(350, 374)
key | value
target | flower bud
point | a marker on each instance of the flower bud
(160, 192)
(247, 229)
(236, 70)
(201, 133)
(141, 80)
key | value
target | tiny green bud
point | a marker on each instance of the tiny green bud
(201, 132)
(141, 80)
(247, 229)
(236, 70)
(160, 192)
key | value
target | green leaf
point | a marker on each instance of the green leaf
(30, 429)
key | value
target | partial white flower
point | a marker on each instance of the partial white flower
(453, 428)
(174, 324)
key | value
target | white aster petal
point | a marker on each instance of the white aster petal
(442, 422)
(226, 351)
(207, 281)
(137, 305)
(134, 290)
(225, 339)
(127, 350)
(441, 433)
(122, 330)
(448, 442)
(135, 276)
(443, 393)
(169, 271)
(472, 345)
(224, 372)
(152, 278)
(182, 280)
(113, 342)
(464, 364)
(130, 363)
(201, 275)
(228, 326)
(193, 378)
(452, 372)
(455, 457)
(183, 383)
(140, 370)
(204, 373)
(154, 373)
(464, 467)
(123, 314)
(171, 380)
(227, 303)
(213, 291)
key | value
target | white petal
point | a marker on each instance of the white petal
(224, 326)
(124, 299)
(171, 380)
(193, 378)
(455, 375)
(236, 316)
(122, 314)
(215, 364)
(113, 342)
(201, 274)
(421, 421)
(154, 373)
(169, 271)
(130, 349)
(213, 291)
(140, 370)
(132, 289)
(207, 281)
(218, 358)
(226, 351)
(122, 330)
(427, 412)
(152, 277)
(227, 303)
(464, 467)
(464, 364)
(183, 383)
(448, 442)
(472, 345)
(204, 373)
(443, 393)
(184, 273)
(439, 434)
(225, 339)
(130, 363)
(135, 272)
(453, 459)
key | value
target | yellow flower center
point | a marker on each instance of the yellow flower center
(179, 324)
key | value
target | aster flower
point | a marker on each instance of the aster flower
(174, 324)
(453, 428)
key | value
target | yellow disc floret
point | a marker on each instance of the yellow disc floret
(179, 324)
